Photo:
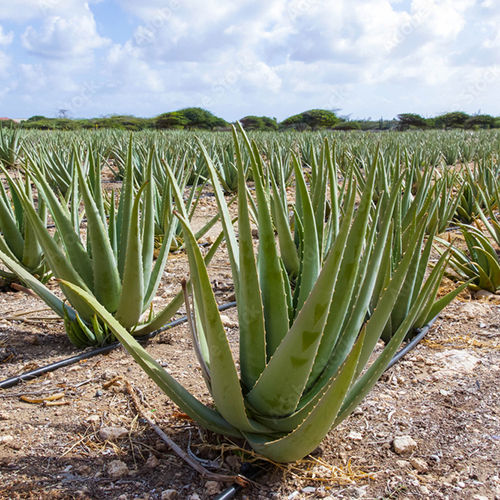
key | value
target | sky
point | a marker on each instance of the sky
(362, 58)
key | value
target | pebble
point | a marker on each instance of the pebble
(169, 494)
(6, 439)
(484, 294)
(233, 461)
(419, 464)
(117, 469)
(212, 488)
(227, 321)
(455, 361)
(355, 436)
(93, 419)
(402, 464)
(152, 462)
(112, 433)
(194, 496)
(404, 445)
(309, 489)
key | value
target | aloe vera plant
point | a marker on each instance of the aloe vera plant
(479, 265)
(17, 238)
(10, 146)
(116, 265)
(304, 364)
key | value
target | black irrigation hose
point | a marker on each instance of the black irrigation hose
(10, 382)
(421, 333)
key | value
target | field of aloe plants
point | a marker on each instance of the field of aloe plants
(329, 251)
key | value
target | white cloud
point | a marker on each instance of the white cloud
(6, 38)
(63, 37)
(258, 56)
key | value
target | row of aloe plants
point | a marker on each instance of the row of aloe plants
(340, 267)
(307, 328)
(23, 229)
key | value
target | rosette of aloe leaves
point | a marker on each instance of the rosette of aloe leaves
(113, 260)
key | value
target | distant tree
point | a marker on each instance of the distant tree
(456, 119)
(259, 123)
(36, 118)
(411, 120)
(189, 118)
(480, 121)
(347, 126)
(173, 119)
(313, 119)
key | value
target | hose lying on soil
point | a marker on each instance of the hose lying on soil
(10, 382)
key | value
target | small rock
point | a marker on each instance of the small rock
(455, 361)
(4, 416)
(152, 462)
(117, 469)
(212, 488)
(355, 436)
(93, 419)
(361, 491)
(255, 233)
(227, 321)
(112, 433)
(403, 464)
(479, 497)
(6, 439)
(309, 489)
(98, 393)
(169, 494)
(419, 464)
(485, 295)
(194, 496)
(161, 445)
(404, 445)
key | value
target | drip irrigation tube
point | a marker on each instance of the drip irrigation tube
(421, 333)
(10, 382)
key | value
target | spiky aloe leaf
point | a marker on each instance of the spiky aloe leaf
(205, 416)
(226, 388)
(250, 308)
(107, 286)
(308, 434)
(130, 305)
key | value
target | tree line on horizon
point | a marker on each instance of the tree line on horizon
(314, 119)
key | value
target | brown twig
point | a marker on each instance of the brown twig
(212, 476)
(21, 288)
